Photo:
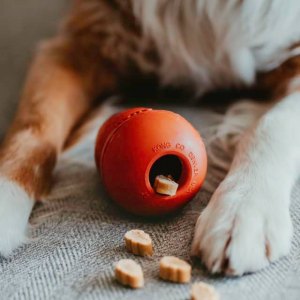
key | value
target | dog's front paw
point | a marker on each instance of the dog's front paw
(15, 208)
(242, 229)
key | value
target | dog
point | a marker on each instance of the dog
(199, 45)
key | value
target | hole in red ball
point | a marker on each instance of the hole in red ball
(166, 165)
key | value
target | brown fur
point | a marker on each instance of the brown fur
(277, 81)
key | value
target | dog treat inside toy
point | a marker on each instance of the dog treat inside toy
(165, 185)
(138, 242)
(174, 269)
(203, 291)
(129, 273)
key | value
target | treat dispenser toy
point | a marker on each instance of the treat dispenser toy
(136, 146)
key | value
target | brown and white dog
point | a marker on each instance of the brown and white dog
(199, 44)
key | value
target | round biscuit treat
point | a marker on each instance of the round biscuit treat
(129, 273)
(203, 291)
(165, 185)
(138, 242)
(174, 269)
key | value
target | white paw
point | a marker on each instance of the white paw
(15, 208)
(242, 229)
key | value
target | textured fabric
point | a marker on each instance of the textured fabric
(77, 236)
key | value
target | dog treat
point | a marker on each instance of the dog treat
(138, 242)
(165, 185)
(174, 269)
(203, 291)
(129, 273)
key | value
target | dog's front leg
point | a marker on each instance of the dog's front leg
(247, 223)
(58, 92)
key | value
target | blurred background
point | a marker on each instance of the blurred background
(22, 24)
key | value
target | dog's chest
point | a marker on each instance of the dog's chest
(216, 43)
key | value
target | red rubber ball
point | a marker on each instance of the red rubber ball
(136, 145)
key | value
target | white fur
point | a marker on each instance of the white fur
(249, 212)
(225, 135)
(15, 208)
(216, 43)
